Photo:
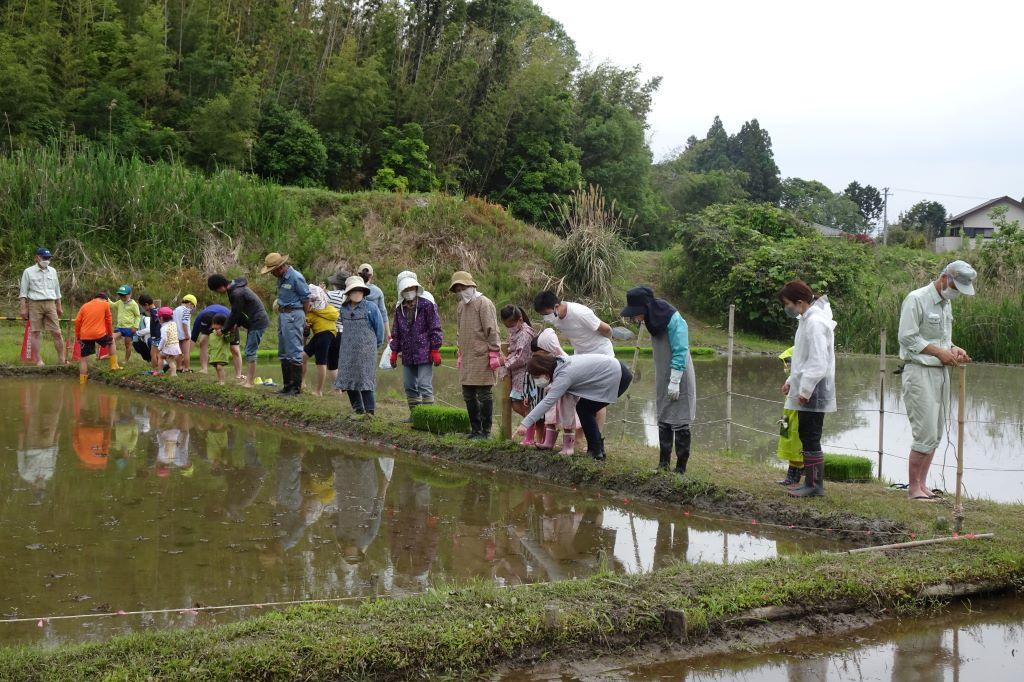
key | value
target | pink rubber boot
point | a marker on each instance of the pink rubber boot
(550, 433)
(528, 440)
(568, 444)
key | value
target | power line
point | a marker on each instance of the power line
(940, 194)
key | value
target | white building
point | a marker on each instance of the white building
(977, 222)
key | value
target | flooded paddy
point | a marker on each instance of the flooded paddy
(983, 640)
(114, 501)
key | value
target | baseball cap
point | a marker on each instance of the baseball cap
(44, 252)
(366, 267)
(189, 298)
(124, 290)
(963, 275)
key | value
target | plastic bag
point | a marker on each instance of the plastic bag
(385, 358)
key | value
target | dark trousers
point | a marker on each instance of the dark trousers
(809, 426)
(587, 409)
(480, 406)
(362, 401)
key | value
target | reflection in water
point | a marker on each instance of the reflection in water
(110, 500)
(983, 640)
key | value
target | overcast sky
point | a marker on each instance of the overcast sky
(924, 96)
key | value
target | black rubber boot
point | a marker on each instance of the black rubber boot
(814, 485)
(682, 448)
(296, 379)
(486, 414)
(473, 408)
(596, 450)
(792, 476)
(664, 445)
(286, 378)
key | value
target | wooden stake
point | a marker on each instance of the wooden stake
(958, 508)
(921, 543)
(728, 380)
(506, 401)
(881, 399)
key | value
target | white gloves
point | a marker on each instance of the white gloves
(673, 384)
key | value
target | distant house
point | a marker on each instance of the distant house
(976, 222)
(826, 231)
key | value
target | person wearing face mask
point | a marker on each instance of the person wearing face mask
(40, 301)
(362, 334)
(674, 379)
(927, 350)
(479, 356)
(404, 274)
(416, 336)
(592, 382)
(376, 297)
(513, 365)
(811, 386)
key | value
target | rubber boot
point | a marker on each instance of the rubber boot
(664, 445)
(596, 450)
(296, 378)
(83, 379)
(286, 378)
(568, 444)
(473, 408)
(550, 435)
(814, 484)
(112, 361)
(682, 438)
(792, 476)
(528, 438)
(486, 415)
(413, 404)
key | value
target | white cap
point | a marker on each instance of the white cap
(407, 282)
(963, 275)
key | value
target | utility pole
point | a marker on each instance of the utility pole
(885, 216)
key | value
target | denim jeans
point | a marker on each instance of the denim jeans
(419, 382)
(291, 324)
(253, 337)
(362, 401)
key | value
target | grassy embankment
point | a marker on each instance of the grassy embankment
(465, 630)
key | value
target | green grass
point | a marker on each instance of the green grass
(463, 631)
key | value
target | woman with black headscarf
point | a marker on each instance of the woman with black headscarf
(674, 380)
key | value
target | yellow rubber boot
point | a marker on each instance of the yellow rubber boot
(113, 362)
(83, 379)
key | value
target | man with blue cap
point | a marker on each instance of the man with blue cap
(41, 304)
(927, 350)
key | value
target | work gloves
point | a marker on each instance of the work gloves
(673, 384)
(435, 357)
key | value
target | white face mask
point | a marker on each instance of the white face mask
(467, 294)
(409, 295)
(541, 382)
(44, 264)
(949, 294)
(550, 318)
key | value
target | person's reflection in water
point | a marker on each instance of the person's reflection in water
(288, 499)
(90, 436)
(245, 474)
(125, 438)
(920, 657)
(670, 543)
(360, 488)
(414, 531)
(37, 441)
(813, 669)
(594, 543)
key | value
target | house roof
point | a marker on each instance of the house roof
(982, 207)
(827, 231)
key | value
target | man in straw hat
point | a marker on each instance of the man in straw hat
(926, 348)
(292, 305)
(478, 352)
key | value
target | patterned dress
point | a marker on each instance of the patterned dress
(363, 333)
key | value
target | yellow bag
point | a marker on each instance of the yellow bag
(790, 448)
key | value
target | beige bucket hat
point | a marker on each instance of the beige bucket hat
(273, 260)
(462, 277)
(356, 283)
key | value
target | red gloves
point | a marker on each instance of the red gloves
(435, 357)
(394, 359)
(493, 361)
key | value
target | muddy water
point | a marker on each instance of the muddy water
(111, 501)
(980, 641)
(994, 433)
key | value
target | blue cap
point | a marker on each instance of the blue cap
(43, 252)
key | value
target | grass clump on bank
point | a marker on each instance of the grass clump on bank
(465, 631)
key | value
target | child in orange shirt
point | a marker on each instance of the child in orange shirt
(93, 326)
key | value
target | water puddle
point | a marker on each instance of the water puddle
(113, 501)
(979, 641)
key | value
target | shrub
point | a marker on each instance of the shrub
(440, 420)
(848, 468)
(593, 250)
(289, 150)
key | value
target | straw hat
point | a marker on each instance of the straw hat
(462, 277)
(356, 283)
(272, 261)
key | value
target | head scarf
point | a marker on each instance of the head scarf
(657, 311)
(547, 341)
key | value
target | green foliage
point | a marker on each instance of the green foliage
(689, 192)
(592, 251)
(868, 199)
(289, 150)
(847, 468)
(816, 203)
(926, 217)
(439, 420)
(223, 129)
(404, 164)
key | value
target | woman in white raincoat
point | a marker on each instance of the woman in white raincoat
(811, 386)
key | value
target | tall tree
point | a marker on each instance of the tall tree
(926, 217)
(868, 199)
(751, 152)
(816, 203)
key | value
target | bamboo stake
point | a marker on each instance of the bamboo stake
(506, 401)
(728, 380)
(921, 543)
(958, 508)
(881, 399)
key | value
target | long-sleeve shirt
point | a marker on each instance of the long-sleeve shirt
(477, 338)
(376, 296)
(812, 373)
(591, 376)
(678, 341)
(93, 321)
(925, 319)
(323, 320)
(519, 340)
(292, 290)
(40, 284)
(416, 332)
(126, 314)
(247, 310)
